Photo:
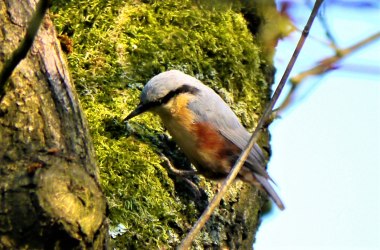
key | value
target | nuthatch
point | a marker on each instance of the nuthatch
(204, 127)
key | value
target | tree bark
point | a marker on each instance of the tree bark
(49, 189)
(117, 47)
(50, 195)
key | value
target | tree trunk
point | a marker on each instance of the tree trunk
(49, 189)
(117, 46)
(50, 195)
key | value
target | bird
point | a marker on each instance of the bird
(205, 128)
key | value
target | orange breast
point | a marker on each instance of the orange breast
(218, 153)
(203, 144)
(208, 139)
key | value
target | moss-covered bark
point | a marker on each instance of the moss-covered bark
(50, 197)
(116, 47)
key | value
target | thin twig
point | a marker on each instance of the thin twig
(327, 64)
(326, 27)
(24, 46)
(186, 243)
(324, 66)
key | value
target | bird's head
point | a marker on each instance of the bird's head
(163, 88)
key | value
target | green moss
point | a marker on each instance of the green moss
(118, 46)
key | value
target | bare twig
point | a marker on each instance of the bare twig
(186, 243)
(324, 66)
(24, 46)
(328, 63)
(328, 33)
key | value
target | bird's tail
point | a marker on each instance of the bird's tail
(270, 191)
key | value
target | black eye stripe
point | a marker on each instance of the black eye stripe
(183, 89)
(180, 90)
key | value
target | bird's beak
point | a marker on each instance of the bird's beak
(141, 108)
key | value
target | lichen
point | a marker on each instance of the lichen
(117, 47)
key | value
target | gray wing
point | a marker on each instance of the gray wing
(211, 108)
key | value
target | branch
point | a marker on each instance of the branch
(327, 64)
(24, 46)
(186, 243)
(324, 66)
(328, 32)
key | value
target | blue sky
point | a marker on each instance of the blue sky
(326, 148)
